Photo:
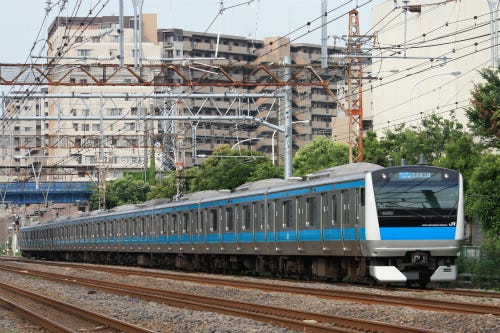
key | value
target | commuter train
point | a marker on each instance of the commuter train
(354, 222)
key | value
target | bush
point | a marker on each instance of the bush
(484, 270)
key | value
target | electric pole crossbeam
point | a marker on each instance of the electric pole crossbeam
(167, 75)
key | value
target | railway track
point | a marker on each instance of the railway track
(362, 297)
(60, 317)
(298, 320)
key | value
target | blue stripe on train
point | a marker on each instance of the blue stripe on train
(418, 233)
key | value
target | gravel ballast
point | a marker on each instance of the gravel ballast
(163, 318)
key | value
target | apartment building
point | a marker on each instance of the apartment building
(66, 141)
(429, 59)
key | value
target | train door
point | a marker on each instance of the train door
(184, 229)
(344, 216)
(156, 228)
(172, 229)
(193, 229)
(246, 224)
(349, 227)
(285, 223)
(213, 216)
(238, 225)
(329, 227)
(308, 219)
(228, 233)
(359, 212)
(270, 223)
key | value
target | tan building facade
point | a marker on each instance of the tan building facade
(429, 62)
(67, 142)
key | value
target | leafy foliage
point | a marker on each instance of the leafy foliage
(320, 154)
(122, 191)
(484, 114)
(484, 194)
(486, 270)
(228, 169)
(442, 142)
(166, 189)
(430, 140)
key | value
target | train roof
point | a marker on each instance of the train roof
(266, 183)
(344, 170)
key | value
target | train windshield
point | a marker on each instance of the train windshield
(416, 195)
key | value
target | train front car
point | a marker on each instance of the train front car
(414, 224)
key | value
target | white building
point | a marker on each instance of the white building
(428, 57)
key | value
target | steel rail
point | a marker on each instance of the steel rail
(294, 319)
(361, 297)
(65, 307)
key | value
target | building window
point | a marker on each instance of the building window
(96, 127)
(129, 126)
(79, 39)
(84, 53)
(90, 159)
(96, 39)
(75, 127)
(115, 112)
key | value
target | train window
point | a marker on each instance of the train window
(288, 216)
(174, 223)
(213, 220)
(185, 222)
(126, 228)
(311, 211)
(143, 225)
(270, 214)
(193, 222)
(198, 222)
(345, 207)
(163, 221)
(246, 215)
(334, 205)
(229, 219)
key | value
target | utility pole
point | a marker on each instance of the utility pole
(494, 4)
(355, 88)
(288, 120)
(324, 34)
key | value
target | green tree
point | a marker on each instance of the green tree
(486, 268)
(266, 170)
(320, 154)
(484, 114)
(442, 142)
(228, 169)
(122, 191)
(167, 188)
(483, 194)
(373, 152)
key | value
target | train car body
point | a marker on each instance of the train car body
(398, 224)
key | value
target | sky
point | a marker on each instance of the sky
(24, 22)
